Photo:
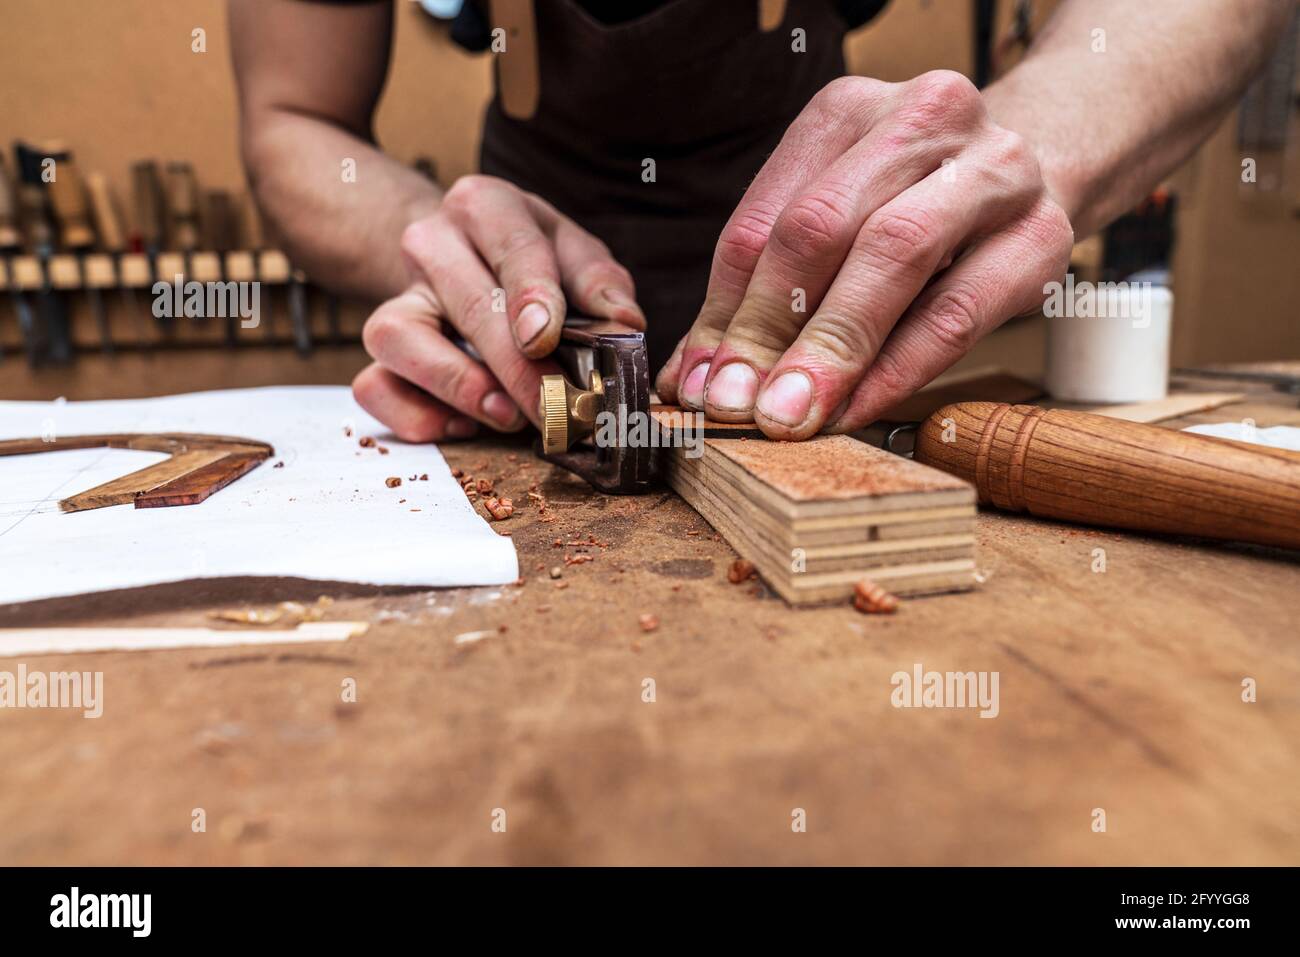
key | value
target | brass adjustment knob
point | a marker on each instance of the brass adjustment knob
(567, 412)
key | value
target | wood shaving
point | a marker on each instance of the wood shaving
(247, 616)
(870, 599)
(742, 569)
(499, 508)
(286, 612)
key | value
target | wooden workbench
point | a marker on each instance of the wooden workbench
(1119, 690)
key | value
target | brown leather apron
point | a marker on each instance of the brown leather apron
(695, 86)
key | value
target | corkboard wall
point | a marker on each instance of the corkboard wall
(118, 81)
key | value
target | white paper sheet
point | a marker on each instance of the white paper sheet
(326, 514)
(65, 641)
(1278, 436)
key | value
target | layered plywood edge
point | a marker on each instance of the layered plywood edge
(816, 517)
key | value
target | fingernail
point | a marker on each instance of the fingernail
(733, 388)
(532, 320)
(461, 428)
(693, 387)
(500, 408)
(788, 399)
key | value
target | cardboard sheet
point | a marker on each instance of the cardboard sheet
(326, 514)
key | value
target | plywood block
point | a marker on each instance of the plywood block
(815, 517)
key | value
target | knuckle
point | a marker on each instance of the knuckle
(940, 99)
(889, 379)
(379, 332)
(900, 240)
(948, 87)
(465, 193)
(1047, 229)
(838, 338)
(417, 238)
(757, 332)
(476, 305)
(451, 379)
(1010, 150)
(743, 239)
(516, 242)
(954, 318)
(1010, 165)
(841, 96)
(810, 226)
(1057, 222)
(421, 425)
(364, 385)
(1060, 231)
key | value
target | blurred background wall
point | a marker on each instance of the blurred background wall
(117, 81)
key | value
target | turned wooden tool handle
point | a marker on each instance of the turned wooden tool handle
(183, 205)
(1101, 471)
(68, 202)
(107, 221)
(10, 238)
(148, 204)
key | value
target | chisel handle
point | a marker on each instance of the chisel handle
(68, 203)
(148, 204)
(1101, 471)
(183, 207)
(112, 238)
(10, 238)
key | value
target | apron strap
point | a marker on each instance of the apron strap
(518, 79)
(770, 14)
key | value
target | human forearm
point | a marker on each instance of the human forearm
(345, 234)
(1110, 114)
(309, 77)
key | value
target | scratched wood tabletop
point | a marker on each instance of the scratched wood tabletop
(1118, 690)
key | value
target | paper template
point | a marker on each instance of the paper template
(325, 514)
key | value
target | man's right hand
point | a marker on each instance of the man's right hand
(491, 256)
